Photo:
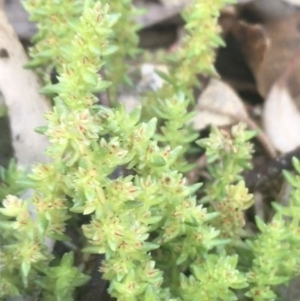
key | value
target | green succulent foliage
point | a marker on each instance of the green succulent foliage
(160, 242)
(220, 147)
(53, 36)
(9, 185)
(10, 179)
(213, 279)
(60, 281)
(276, 248)
(197, 53)
(51, 18)
(3, 110)
(266, 271)
(172, 103)
(126, 40)
(228, 154)
(156, 200)
(175, 129)
(49, 198)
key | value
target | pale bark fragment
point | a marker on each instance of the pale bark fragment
(26, 106)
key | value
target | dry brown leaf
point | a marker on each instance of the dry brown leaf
(269, 49)
(266, 10)
(254, 45)
(285, 41)
(272, 52)
(281, 118)
(218, 105)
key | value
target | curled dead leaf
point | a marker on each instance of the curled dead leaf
(254, 43)
(269, 49)
(281, 118)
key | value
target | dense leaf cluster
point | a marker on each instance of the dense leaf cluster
(159, 240)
